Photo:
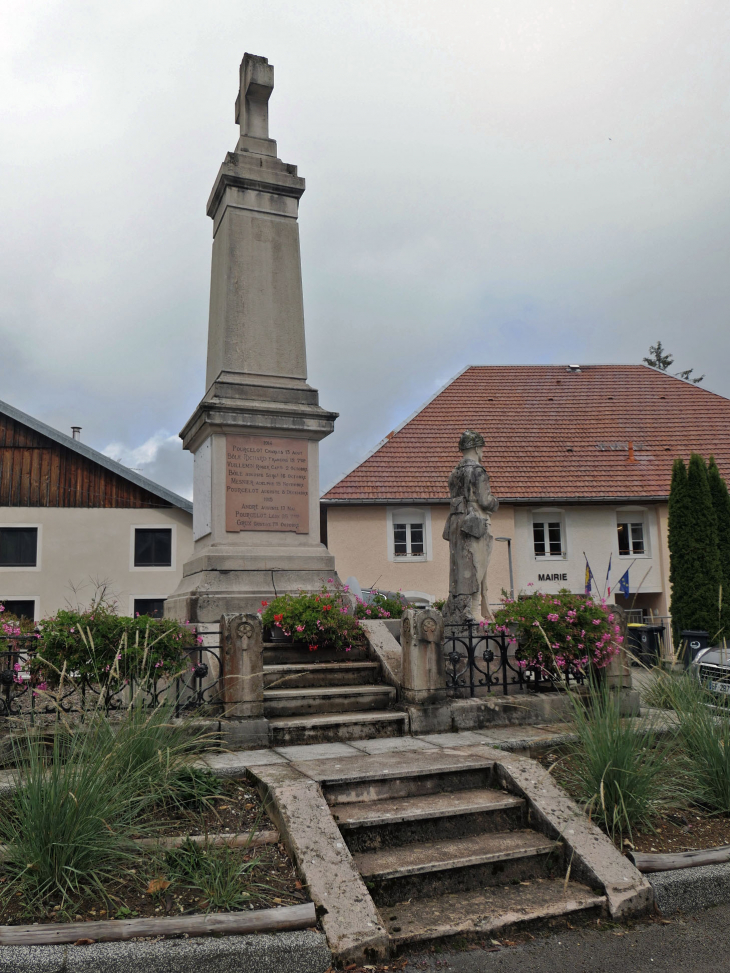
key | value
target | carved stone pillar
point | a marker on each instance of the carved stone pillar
(424, 669)
(242, 666)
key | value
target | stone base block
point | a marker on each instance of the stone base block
(206, 595)
(424, 697)
(244, 734)
(429, 719)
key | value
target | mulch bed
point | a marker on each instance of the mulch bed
(143, 887)
(676, 830)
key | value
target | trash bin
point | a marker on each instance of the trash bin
(693, 641)
(645, 642)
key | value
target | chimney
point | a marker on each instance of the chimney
(76, 432)
(632, 458)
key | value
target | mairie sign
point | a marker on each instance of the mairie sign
(552, 577)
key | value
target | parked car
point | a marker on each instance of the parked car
(712, 666)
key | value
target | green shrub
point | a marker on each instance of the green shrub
(222, 875)
(314, 619)
(99, 645)
(620, 769)
(381, 607)
(555, 631)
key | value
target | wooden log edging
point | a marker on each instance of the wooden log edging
(238, 840)
(281, 919)
(662, 862)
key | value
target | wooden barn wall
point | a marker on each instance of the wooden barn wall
(35, 471)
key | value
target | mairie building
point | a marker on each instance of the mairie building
(580, 458)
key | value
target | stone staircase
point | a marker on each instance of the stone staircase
(445, 851)
(327, 696)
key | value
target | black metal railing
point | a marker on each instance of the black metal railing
(482, 660)
(27, 690)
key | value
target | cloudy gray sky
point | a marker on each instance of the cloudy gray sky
(487, 182)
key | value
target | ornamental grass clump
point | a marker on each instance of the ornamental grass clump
(621, 769)
(69, 824)
(315, 619)
(704, 730)
(557, 632)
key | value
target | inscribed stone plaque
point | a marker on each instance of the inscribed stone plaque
(267, 484)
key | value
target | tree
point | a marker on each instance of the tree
(721, 504)
(661, 359)
(678, 529)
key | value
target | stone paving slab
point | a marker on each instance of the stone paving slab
(317, 751)
(393, 745)
(383, 766)
(235, 764)
(465, 739)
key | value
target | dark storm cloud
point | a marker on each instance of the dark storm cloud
(485, 183)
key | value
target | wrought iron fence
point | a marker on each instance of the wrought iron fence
(25, 689)
(479, 660)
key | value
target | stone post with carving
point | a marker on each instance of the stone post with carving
(424, 669)
(242, 666)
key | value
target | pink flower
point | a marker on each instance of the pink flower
(596, 621)
(553, 618)
(300, 628)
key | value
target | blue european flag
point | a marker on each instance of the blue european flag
(623, 583)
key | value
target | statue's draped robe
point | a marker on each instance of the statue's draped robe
(467, 529)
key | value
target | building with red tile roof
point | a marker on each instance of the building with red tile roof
(586, 447)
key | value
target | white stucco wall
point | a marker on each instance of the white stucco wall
(79, 547)
(358, 538)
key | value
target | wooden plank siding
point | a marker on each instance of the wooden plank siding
(35, 471)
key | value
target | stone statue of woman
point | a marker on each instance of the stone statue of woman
(467, 531)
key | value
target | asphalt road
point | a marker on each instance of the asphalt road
(690, 944)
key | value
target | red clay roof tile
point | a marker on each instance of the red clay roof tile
(551, 433)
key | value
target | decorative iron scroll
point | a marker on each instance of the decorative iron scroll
(477, 658)
(25, 694)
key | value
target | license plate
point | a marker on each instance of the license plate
(720, 687)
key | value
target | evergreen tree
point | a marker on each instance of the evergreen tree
(702, 559)
(679, 528)
(721, 504)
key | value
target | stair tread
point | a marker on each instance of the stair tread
(435, 856)
(485, 910)
(422, 807)
(320, 666)
(367, 716)
(398, 766)
(357, 690)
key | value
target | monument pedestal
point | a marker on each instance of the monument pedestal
(255, 434)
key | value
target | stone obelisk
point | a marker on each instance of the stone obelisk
(255, 435)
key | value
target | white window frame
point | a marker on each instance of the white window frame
(629, 515)
(34, 598)
(133, 598)
(38, 553)
(173, 547)
(545, 516)
(409, 515)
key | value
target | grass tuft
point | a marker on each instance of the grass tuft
(620, 768)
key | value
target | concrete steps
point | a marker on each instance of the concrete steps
(486, 911)
(317, 700)
(443, 849)
(304, 676)
(327, 696)
(433, 868)
(290, 731)
(371, 825)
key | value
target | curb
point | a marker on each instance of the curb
(691, 889)
(284, 952)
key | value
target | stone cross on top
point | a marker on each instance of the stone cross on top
(252, 103)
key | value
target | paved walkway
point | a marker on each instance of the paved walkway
(510, 738)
